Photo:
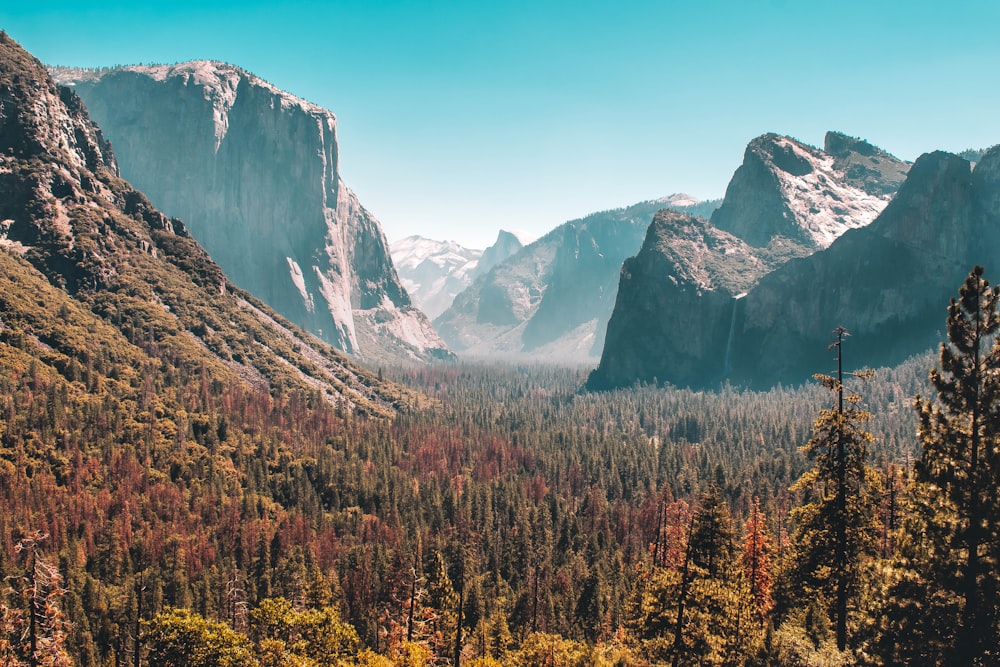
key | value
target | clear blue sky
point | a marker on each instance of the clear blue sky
(459, 118)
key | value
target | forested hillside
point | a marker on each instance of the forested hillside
(543, 514)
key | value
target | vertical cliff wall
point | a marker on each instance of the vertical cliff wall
(253, 172)
(697, 305)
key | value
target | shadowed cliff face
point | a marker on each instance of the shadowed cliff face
(676, 302)
(552, 300)
(253, 172)
(888, 283)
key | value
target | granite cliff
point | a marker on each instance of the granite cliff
(253, 172)
(684, 302)
(788, 189)
(888, 283)
(101, 288)
(552, 300)
(700, 272)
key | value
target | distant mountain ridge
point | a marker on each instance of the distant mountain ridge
(253, 171)
(552, 299)
(434, 272)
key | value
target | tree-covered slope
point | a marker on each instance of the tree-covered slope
(86, 232)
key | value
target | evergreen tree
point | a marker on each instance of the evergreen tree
(689, 615)
(836, 527)
(757, 548)
(943, 605)
(181, 638)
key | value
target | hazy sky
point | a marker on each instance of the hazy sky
(459, 118)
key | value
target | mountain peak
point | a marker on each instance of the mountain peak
(679, 200)
(786, 188)
(144, 294)
(253, 170)
(36, 117)
(521, 237)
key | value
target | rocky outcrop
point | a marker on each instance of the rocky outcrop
(552, 300)
(92, 270)
(253, 172)
(681, 331)
(435, 272)
(888, 283)
(806, 196)
(864, 165)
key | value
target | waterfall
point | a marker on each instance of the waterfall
(727, 365)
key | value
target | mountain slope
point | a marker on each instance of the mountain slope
(700, 274)
(552, 300)
(884, 282)
(434, 272)
(98, 277)
(253, 172)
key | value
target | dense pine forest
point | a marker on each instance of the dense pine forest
(156, 516)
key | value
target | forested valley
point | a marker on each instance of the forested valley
(163, 518)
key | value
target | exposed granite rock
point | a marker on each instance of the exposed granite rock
(552, 300)
(253, 172)
(785, 188)
(676, 305)
(864, 165)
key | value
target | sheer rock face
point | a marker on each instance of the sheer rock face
(888, 283)
(89, 264)
(253, 172)
(680, 330)
(552, 300)
(810, 197)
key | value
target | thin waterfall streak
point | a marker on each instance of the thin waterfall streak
(727, 365)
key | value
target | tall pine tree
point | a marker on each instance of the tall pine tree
(835, 528)
(950, 561)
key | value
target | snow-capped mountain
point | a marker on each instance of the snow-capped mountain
(808, 196)
(434, 272)
(253, 172)
(552, 300)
